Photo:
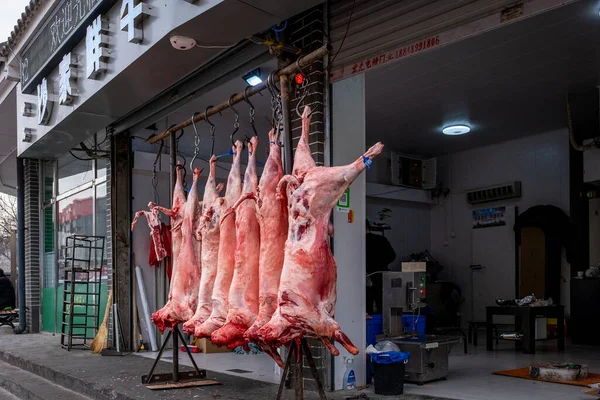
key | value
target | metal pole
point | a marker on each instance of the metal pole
(299, 383)
(290, 69)
(175, 354)
(13, 257)
(21, 244)
(287, 124)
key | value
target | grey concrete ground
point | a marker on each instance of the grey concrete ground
(118, 378)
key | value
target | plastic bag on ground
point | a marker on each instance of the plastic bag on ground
(386, 345)
(390, 357)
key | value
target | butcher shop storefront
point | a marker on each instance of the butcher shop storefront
(122, 105)
(153, 138)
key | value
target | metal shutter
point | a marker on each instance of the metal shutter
(381, 25)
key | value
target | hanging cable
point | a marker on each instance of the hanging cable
(343, 39)
(154, 178)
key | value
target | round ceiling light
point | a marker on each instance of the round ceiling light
(455, 130)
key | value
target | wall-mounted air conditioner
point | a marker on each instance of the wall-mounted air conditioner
(494, 193)
(414, 172)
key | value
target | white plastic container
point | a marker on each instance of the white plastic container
(349, 376)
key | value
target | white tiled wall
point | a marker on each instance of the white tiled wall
(540, 162)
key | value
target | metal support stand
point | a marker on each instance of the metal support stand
(298, 348)
(177, 378)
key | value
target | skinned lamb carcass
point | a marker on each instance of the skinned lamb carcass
(243, 293)
(183, 294)
(226, 255)
(307, 290)
(153, 219)
(162, 318)
(273, 223)
(207, 233)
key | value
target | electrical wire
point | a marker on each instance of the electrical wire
(343, 38)
(214, 46)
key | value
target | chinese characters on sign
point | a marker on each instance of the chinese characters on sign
(67, 77)
(44, 110)
(96, 47)
(131, 14)
(62, 23)
(371, 62)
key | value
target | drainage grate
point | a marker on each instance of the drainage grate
(239, 371)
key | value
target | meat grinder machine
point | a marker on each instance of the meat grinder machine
(403, 292)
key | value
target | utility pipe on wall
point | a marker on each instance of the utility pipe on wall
(287, 124)
(21, 245)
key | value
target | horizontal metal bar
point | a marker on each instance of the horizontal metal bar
(239, 97)
(220, 69)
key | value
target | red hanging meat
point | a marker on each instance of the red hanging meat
(153, 219)
(165, 234)
(273, 223)
(226, 255)
(208, 232)
(183, 294)
(307, 290)
(243, 293)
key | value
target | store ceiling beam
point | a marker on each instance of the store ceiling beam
(239, 97)
(219, 70)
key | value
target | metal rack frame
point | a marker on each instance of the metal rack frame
(83, 269)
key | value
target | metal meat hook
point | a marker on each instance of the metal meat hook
(236, 124)
(196, 143)
(304, 85)
(213, 128)
(252, 110)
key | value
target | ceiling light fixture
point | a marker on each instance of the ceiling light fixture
(253, 78)
(455, 130)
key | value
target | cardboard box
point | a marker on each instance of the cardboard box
(206, 346)
(414, 266)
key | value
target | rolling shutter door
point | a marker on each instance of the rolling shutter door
(382, 25)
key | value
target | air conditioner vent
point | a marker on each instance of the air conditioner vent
(495, 193)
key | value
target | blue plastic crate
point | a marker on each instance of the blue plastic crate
(412, 323)
(374, 328)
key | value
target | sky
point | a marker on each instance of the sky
(10, 12)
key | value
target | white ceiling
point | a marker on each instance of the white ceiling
(506, 83)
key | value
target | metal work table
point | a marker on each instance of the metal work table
(527, 316)
(428, 359)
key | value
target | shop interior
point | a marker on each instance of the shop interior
(509, 88)
(477, 138)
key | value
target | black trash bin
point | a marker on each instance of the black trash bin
(389, 370)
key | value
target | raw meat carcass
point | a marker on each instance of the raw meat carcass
(208, 233)
(273, 223)
(243, 293)
(162, 318)
(183, 294)
(226, 256)
(271, 213)
(307, 290)
(303, 160)
(153, 219)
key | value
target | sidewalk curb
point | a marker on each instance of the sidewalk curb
(67, 381)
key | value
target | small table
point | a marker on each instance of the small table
(527, 315)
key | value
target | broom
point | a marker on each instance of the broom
(101, 340)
